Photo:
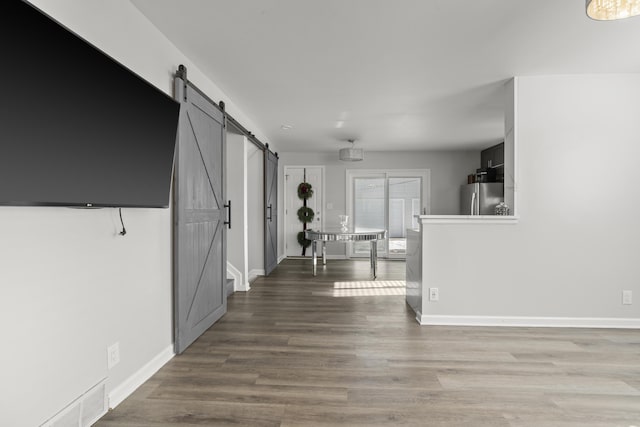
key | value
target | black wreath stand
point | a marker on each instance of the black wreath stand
(305, 214)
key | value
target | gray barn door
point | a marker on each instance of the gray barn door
(199, 217)
(271, 212)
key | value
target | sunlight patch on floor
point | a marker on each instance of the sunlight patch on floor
(368, 288)
(366, 284)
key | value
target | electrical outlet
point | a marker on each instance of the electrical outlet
(113, 355)
(434, 294)
(627, 297)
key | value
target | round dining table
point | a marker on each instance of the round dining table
(345, 235)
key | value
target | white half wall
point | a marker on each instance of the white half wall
(449, 170)
(69, 284)
(575, 246)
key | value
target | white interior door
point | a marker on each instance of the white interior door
(294, 175)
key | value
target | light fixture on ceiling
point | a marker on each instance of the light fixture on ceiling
(351, 154)
(608, 10)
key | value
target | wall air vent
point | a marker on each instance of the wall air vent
(83, 411)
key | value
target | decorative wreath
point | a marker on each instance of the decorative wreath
(304, 190)
(305, 214)
(302, 241)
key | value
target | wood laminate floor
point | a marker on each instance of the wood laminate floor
(340, 349)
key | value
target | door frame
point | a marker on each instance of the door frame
(285, 196)
(425, 196)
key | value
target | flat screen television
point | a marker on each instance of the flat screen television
(76, 127)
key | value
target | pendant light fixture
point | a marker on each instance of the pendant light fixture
(351, 154)
(608, 10)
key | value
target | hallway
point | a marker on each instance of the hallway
(340, 349)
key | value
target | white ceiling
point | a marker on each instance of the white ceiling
(394, 75)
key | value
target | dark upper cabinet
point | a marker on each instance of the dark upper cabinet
(485, 158)
(498, 155)
(492, 157)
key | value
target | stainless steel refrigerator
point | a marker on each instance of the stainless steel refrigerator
(481, 198)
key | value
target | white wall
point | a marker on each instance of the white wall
(69, 284)
(236, 192)
(449, 170)
(575, 247)
(255, 209)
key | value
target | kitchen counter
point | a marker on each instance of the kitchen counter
(468, 219)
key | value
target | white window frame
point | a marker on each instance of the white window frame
(425, 193)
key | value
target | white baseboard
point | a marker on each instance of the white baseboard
(419, 317)
(281, 258)
(336, 257)
(255, 273)
(239, 284)
(552, 322)
(243, 287)
(124, 390)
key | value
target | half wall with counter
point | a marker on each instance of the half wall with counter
(569, 258)
(451, 256)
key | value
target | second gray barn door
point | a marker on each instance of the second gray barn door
(199, 214)
(271, 211)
